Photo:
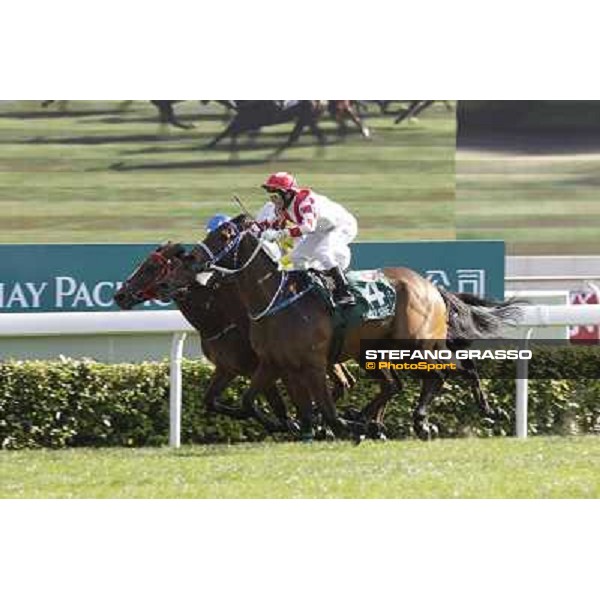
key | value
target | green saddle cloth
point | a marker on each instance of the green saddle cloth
(375, 300)
(375, 295)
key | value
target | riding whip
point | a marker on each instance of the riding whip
(241, 205)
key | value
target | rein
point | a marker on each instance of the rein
(271, 307)
(221, 333)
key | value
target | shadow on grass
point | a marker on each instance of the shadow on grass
(91, 140)
(54, 114)
(248, 145)
(124, 119)
(194, 164)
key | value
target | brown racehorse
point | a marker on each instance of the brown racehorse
(219, 317)
(294, 343)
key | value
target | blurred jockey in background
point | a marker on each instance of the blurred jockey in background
(321, 228)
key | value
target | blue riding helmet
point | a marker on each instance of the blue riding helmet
(216, 221)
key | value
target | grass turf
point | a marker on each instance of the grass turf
(538, 203)
(92, 172)
(542, 467)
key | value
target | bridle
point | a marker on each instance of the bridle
(148, 292)
(232, 246)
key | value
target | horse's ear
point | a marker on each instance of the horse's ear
(171, 249)
(179, 250)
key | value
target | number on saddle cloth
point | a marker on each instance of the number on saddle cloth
(374, 293)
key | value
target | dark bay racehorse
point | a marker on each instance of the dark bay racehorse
(294, 343)
(252, 115)
(215, 311)
(222, 327)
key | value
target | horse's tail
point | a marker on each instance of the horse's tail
(471, 318)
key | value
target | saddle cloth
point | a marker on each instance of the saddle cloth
(374, 294)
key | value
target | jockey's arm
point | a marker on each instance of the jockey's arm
(307, 223)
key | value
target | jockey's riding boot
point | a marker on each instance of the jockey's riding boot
(341, 293)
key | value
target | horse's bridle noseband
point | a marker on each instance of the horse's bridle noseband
(234, 244)
(149, 291)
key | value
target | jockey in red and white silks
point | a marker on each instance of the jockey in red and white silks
(322, 229)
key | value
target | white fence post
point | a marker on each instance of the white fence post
(175, 390)
(522, 398)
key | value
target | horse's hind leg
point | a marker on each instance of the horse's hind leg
(430, 387)
(317, 383)
(373, 413)
(469, 370)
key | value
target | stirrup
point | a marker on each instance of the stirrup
(345, 300)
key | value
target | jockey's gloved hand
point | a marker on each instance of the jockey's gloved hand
(273, 235)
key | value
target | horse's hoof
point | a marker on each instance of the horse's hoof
(292, 426)
(320, 434)
(427, 431)
(358, 439)
(501, 415)
(376, 431)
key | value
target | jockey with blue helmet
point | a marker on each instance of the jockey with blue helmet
(216, 221)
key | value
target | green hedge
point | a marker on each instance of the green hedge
(83, 403)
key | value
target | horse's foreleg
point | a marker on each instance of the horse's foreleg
(422, 106)
(301, 399)
(167, 114)
(364, 130)
(408, 112)
(262, 379)
(279, 410)
(342, 380)
(317, 131)
(218, 382)
(231, 129)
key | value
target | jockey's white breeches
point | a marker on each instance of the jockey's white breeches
(325, 250)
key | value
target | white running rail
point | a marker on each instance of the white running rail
(110, 323)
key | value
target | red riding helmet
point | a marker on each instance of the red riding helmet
(281, 181)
